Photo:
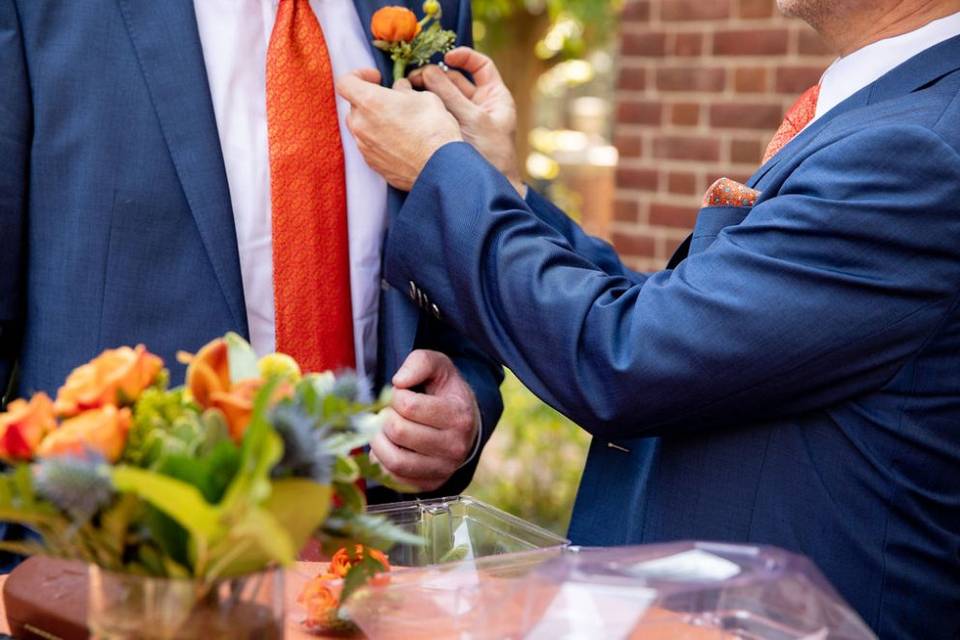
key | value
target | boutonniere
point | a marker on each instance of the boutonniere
(409, 41)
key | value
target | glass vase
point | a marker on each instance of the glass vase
(123, 606)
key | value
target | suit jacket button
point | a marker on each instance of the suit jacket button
(436, 311)
(413, 291)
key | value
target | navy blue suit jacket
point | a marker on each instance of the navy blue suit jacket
(793, 380)
(115, 216)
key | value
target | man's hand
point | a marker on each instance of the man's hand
(398, 130)
(431, 434)
(486, 111)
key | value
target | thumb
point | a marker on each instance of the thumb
(402, 85)
(419, 367)
(453, 99)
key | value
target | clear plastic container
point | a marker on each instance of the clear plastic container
(461, 528)
(680, 591)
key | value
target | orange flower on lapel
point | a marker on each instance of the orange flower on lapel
(395, 24)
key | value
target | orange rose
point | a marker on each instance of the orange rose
(394, 24)
(117, 376)
(343, 560)
(237, 405)
(103, 431)
(24, 425)
(320, 601)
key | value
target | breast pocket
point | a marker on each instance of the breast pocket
(710, 222)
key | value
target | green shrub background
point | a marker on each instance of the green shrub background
(532, 465)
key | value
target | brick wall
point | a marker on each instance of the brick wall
(702, 85)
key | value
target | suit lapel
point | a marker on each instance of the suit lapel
(165, 37)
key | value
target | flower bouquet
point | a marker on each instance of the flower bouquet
(185, 501)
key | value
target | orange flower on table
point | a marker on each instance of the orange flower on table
(117, 376)
(395, 24)
(24, 425)
(343, 560)
(320, 600)
(102, 431)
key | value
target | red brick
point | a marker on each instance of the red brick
(668, 215)
(682, 182)
(811, 44)
(626, 210)
(750, 42)
(710, 80)
(636, 11)
(639, 179)
(746, 151)
(640, 112)
(686, 44)
(686, 148)
(633, 244)
(746, 116)
(632, 79)
(644, 44)
(750, 80)
(629, 146)
(796, 80)
(676, 10)
(755, 8)
(685, 114)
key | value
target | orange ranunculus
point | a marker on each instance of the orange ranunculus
(117, 376)
(24, 425)
(394, 24)
(102, 431)
(343, 560)
(320, 599)
(237, 405)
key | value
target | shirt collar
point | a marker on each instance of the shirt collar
(853, 72)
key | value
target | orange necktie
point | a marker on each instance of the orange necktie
(798, 117)
(311, 261)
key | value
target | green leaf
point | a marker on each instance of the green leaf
(350, 496)
(373, 471)
(301, 505)
(242, 359)
(346, 469)
(261, 449)
(181, 501)
(211, 473)
(359, 575)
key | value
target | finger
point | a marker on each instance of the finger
(439, 412)
(368, 74)
(475, 63)
(425, 440)
(466, 87)
(357, 89)
(419, 367)
(404, 463)
(402, 85)
(453, 99)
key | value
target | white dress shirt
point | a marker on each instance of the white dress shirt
(853, 72)
(235, 35)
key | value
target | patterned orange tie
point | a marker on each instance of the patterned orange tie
(311, 261)
(798, 117)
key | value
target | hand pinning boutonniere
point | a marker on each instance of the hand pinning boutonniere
(397, 31)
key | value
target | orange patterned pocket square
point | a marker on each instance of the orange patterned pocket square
(728, 193)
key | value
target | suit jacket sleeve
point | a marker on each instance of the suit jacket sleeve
(481, 372)
(822, 293)
(593, 249)
(15, 126)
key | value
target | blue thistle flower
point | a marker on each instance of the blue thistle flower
(76, 485)
(304, 453)
(352, 388)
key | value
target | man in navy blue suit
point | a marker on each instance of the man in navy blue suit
(793, 377)
(136, 198)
